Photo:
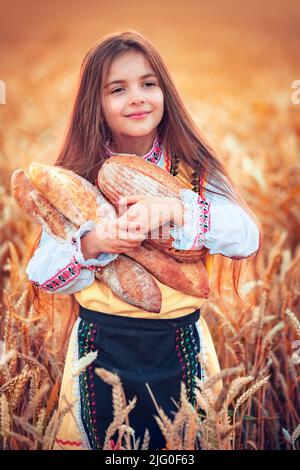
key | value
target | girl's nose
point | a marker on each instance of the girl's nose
(137, 99)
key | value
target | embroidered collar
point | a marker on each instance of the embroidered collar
(154, 155)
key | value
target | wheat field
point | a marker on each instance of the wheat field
(236, 71)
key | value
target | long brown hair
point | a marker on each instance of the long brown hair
(83, 150)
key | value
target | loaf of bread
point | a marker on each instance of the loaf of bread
(125, 175)
(191, 278)
(131, 282)
(76, 198)
(39, 208)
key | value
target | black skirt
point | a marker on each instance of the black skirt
(159, 352)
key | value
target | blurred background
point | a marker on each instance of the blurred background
(234, 63)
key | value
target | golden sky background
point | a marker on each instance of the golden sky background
(267, 27)
(232, 62)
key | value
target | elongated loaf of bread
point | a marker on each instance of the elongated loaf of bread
(130, 281)
(72, 195)
(191, 278)
(38, 207)
(125, 175)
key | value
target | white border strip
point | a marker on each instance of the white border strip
(76, 388)
(203, 350)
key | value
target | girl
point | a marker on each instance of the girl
(127, 103)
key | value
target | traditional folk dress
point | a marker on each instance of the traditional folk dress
(148, 351)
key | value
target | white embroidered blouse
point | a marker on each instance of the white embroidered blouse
(216, 223)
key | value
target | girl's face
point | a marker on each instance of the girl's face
(132, 92)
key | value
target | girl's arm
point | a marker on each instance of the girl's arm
(216, 223)
(61, 267)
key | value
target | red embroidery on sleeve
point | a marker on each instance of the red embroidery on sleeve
(62, 278)
(203, 222)
(204, 216)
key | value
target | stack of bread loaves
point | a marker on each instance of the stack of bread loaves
(61, 201)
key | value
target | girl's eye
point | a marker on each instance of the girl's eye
(147, 83)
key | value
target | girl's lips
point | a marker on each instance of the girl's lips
(138, 116)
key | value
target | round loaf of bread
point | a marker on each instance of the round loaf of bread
(126, 175)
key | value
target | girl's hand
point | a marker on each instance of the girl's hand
(152, 212)
(118, 236)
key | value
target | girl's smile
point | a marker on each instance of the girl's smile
(138, 116)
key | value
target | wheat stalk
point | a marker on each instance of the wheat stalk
(236, 386)
(120, 410)
(5, 419)
(295, 435)
(239, 351)
(270, 335)
(146, 440)
(253, 389)
(25, 340)
(84, 362)
(35, 382)
(19, 387)
(12, 383)
(41, 421)
(293, 320)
